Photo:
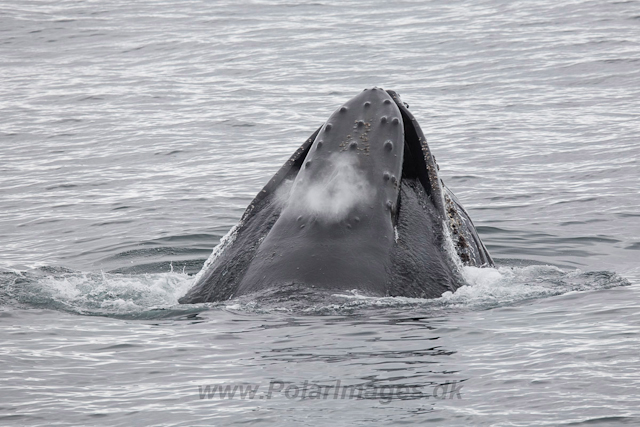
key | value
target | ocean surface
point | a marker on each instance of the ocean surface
(134, 134)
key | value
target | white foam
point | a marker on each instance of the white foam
(489, 286)
(113, 293)
(485, 287)
(481, 276)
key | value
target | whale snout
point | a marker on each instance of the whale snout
(353, 162)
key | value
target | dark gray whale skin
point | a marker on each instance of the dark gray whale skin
(358, 206)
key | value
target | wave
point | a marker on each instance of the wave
(155, 295)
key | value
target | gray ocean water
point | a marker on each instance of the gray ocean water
(134, 134)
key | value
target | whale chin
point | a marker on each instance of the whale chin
(358, 206)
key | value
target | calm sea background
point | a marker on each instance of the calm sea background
(134, 134)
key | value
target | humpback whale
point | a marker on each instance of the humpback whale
(358, 206)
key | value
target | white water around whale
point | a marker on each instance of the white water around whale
(133, 136)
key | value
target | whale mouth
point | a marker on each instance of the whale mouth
(367, 182)
(358, 205)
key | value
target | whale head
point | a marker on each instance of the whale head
(358, 206)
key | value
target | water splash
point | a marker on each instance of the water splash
(156, 295)
(487, 288)
(225, 241)
(94, 293)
